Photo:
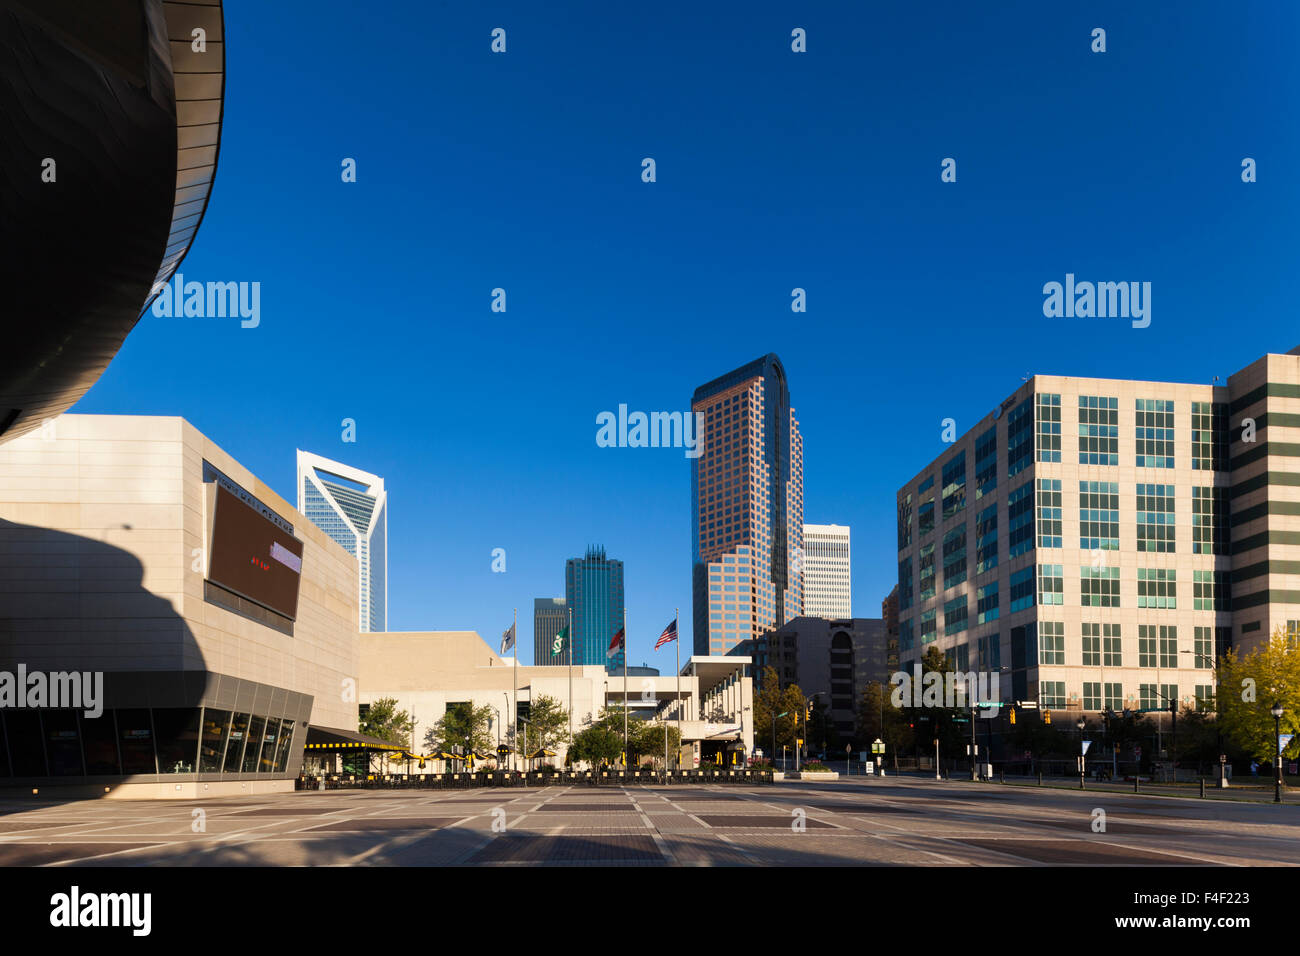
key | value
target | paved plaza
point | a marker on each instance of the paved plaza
(893, 822)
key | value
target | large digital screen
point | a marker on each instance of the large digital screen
(253, 557)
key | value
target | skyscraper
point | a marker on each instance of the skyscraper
(351, 507)
(550, 615)
(593, 588)
(747, 508)
(827, 579)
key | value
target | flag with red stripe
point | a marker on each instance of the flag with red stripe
(669, 634)
(616, 644)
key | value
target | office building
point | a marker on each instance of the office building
(112, 127)
(1103, 542)
(747, 508)
(222, 620)
(593, 591)
(550, 616)
(833, 661)
(351, 507)
(827, 571)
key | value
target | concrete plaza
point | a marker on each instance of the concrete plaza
(879, 822)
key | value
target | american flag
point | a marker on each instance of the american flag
(669, 634)
(616, 644)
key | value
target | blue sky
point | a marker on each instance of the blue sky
(775, 170)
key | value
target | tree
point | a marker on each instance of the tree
(1250, 685)
(649, 740)
(893, 731)
(600, 741)
(548, 724)
(463, 726)
(382, 719)
(772, 700)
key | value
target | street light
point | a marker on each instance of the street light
(1083, 722)
(1276, 711)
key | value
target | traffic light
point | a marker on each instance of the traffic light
(810, 710)
(1047, 717)
(1013, 716)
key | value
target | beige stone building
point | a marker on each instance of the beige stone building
(223, 621)
(429, 671)
(1100, 543)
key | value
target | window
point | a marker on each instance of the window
(905, 521)
(1020, 438)
(986, 607)
(1049, 427)
(1099, 515)
(1115, 696)
(1098, 430)
(1209, 436)
(1147, 696)
(1099, 587)
(1169, 647)
(904, 584)
(986, 540)
(1202, 647)
(906, 638)
(1092, 695)
(925, 517)
(990, 651)
(1020, 520)
(1051, 643)
(954, 557)
(1168, 694)
(1022, 589)
(986, 463)
(928, 627)
(955, 616)
(1049, 512)
(1209, 520)
(1158, 588)
(1211, 591)
(1157, 645)
(1155, 433)
(1051, 584)
(1051, 693)
(1155, 518)
(954, 486)
(927, 571)
(1091, 645)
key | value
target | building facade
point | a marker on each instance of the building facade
(833, 661)
(221, 620)
(351, 506)
(747, 508)
(593, 590)
(827, 571)
(550, 616)
(1103, 542)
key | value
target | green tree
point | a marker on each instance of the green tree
(1250, 686)
(771, 701)
(601, 740)
(877, 703)
(649, 740)
(382, 719)
(464, 726)
(548, 724)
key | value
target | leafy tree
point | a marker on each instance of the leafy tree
(648, 740)
(935, 722)
(463, 726)
(772, 700)
(877, 701)
(599, 742)
(1251, 684)
(548, 724)
(382, 719)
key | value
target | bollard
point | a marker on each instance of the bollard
(1202, 788)
(1040, 778)
(1137, 778)
(1002, 775)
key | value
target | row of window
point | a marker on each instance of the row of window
(1028, 434)
(1099, 695)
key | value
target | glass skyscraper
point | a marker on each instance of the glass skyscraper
(593, 589)
(747, 508)
(351, 507)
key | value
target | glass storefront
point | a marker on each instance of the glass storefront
(160, 740)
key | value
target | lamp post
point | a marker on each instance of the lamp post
(1276, 711)
(775, 718)
(1082, 756)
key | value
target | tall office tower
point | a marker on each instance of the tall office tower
(593, 588)
(827, 586)
(747, 508)
(351, 507)
(1106, 541)
(550, 615)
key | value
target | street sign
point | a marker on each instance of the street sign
(1086, 745)
(1283, 741)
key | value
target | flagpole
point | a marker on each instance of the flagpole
(515, 687)
(569, 651)
(677, 646)
(624, 649)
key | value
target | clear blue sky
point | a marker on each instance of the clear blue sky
(775, 170)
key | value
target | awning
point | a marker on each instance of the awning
(333, 739)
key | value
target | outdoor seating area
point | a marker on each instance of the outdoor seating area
(466, 781)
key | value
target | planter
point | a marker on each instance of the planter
(807, 775)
